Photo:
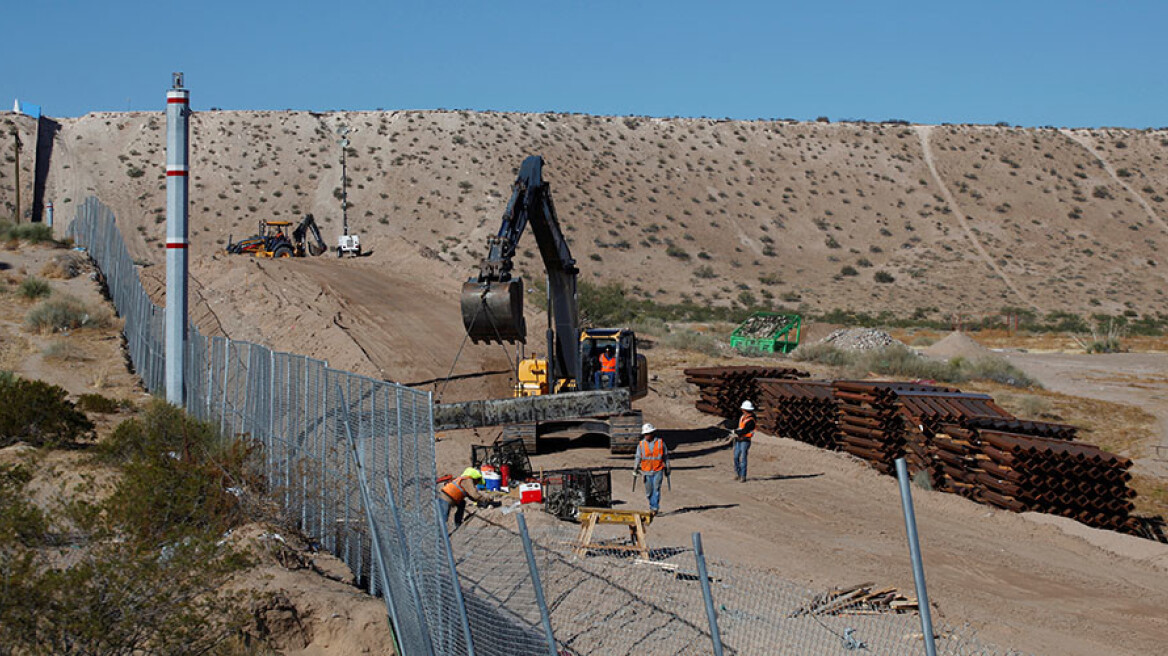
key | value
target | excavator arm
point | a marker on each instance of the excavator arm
(300, 234)
(492, 302)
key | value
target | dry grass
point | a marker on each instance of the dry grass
(1153, 495)
(64, 266)
(63, 350)
(1116, 427)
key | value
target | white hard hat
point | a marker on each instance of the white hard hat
(648, 428)
(747, 405)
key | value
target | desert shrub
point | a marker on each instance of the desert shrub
(64, 313)
(65, 351)
(688, 340)
(998, 370)
(676, 251)
(38, 413)
(33, 287)
(30, 232)
(902, 362)
(21, 522)
(883, 277)
(705, 272)
(98, 404)
(849, 270)
(129, 595)
(824, 354)
(1106, 345)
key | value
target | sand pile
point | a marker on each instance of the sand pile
(957, 345)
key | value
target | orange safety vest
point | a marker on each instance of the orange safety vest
(607, 364)
(454, 490)
(652, 455)
(746, 416)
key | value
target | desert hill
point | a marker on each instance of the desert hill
(858, 216)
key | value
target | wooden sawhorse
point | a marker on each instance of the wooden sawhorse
(636, 520)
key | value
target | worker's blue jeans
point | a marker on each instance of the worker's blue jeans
(741, 449)
(653, 488)
(603, 380)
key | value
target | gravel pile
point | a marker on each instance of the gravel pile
(764, 326)
(859, 339)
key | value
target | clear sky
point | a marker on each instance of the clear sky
(1068, 63)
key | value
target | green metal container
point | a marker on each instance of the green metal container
(768, 332)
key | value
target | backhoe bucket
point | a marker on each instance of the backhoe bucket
(493, 312)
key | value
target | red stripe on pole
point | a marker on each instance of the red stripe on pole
(178, 173)
(178, 100)
(176, 245)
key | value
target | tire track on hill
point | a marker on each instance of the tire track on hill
(923, 134)
(1082, 141)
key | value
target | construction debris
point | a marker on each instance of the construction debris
(857, 600)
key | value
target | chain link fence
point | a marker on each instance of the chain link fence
(351, 461)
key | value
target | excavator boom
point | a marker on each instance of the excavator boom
(492, 302)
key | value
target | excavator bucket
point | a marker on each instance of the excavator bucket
(493, 312)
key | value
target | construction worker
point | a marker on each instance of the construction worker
(606, 374)
(456, 492)
(741, 438)
(652, 463)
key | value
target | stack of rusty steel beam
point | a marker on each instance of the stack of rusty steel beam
(803, 410)
(871, 425)
(1050, 475)
(722, 390)
(937, 454)
(1023, 427)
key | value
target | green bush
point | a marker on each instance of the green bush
(64, 313)
(38, 413)
(21, 522)
(34, 287)
(1106, 345)
(883, 277)
(177, 475)
(98, 404)
(31, 232)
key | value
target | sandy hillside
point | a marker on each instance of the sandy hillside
(965, 218)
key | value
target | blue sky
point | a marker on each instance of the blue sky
(1028, 63)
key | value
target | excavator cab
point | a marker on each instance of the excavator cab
(631, 367)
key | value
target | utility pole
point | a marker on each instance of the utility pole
(16, 145)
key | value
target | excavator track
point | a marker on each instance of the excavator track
(625, 432)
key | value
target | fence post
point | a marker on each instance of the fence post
(440, 517)
(914, 550)
(539, 600)
(707, 596)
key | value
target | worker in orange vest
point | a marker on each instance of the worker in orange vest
(456, 492)
(741, 438)
(606, 374)
(652, 462)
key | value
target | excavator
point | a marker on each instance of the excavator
(492, 311)
(273, 240)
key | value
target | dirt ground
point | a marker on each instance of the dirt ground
(1031, 582)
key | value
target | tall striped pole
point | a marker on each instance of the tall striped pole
(178, 113)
